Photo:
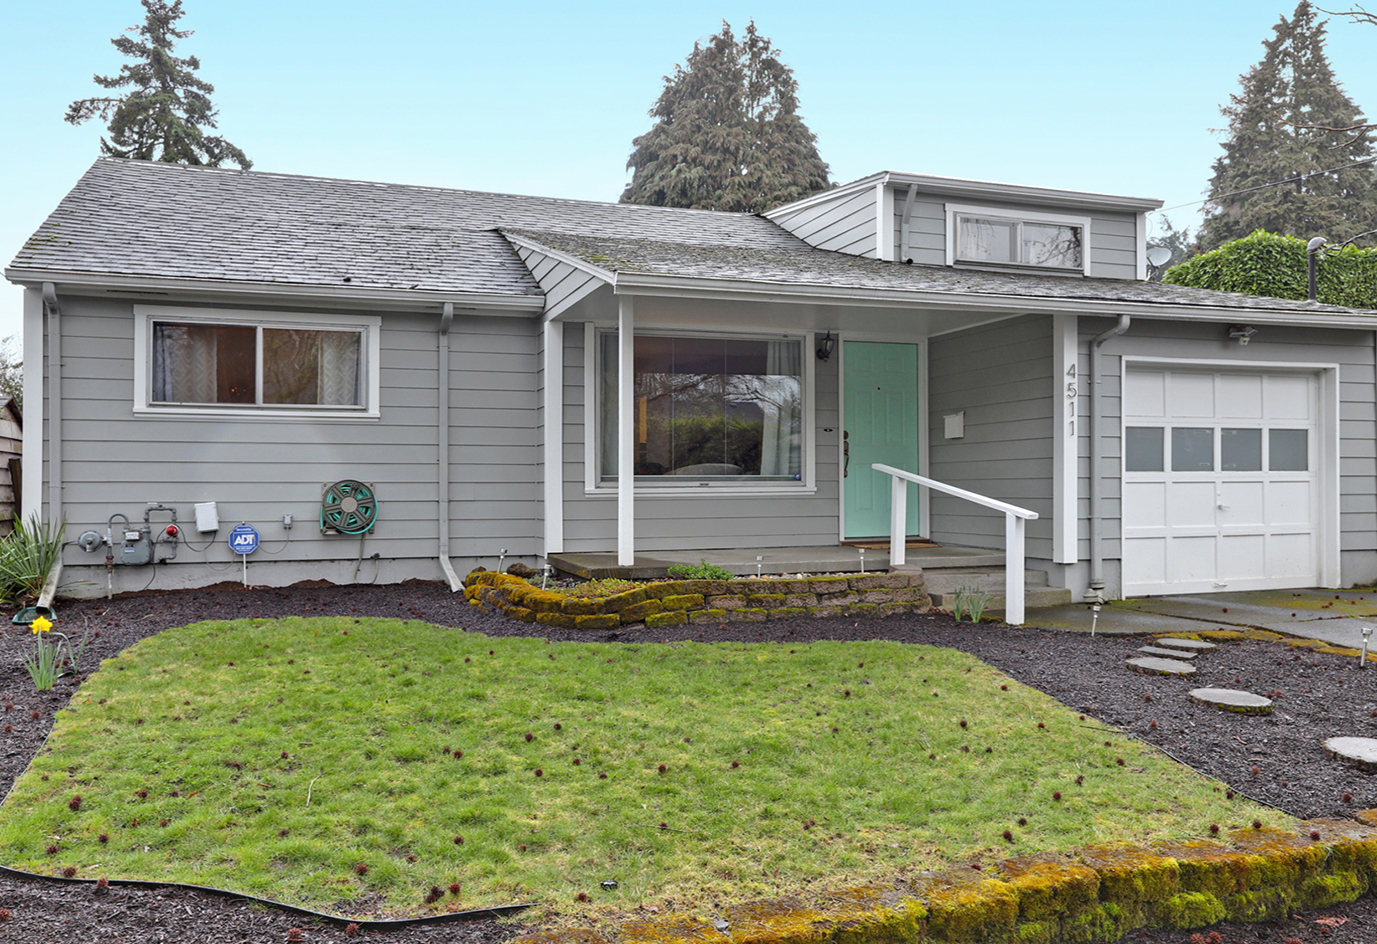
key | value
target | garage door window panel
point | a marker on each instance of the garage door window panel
(1288, 450)
(1144, 449)
(1192, 449)
(1240, 450)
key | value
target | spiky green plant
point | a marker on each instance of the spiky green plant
(27, 555)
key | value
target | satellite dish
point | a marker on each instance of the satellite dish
(1158, 256)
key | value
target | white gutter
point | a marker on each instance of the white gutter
(88, 283)
(54, 313)
(442, 445)
(1096, 592)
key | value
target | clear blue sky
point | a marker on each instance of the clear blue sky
(544, 98)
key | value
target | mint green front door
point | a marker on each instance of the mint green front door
(880, 400)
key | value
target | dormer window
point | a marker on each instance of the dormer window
(982, 236)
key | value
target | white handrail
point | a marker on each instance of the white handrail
(1014, 518)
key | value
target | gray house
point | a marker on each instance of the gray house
(390, 382)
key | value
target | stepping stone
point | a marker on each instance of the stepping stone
(1360, 752)
(1228, 699)
(1199, 645)
(1151, 665)
(1166, 653)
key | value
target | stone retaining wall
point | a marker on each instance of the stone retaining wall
(674, 602)
(1098, 894)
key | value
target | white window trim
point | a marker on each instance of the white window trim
(146, 315)
(593, 487)
(955, 210)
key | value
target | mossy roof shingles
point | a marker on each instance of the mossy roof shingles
(171, 221)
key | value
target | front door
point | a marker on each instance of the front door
(880, 401)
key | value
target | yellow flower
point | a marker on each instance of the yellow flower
(41, 625)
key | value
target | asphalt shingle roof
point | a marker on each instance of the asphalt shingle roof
(140, 218)
(804, 265)
(174, 221)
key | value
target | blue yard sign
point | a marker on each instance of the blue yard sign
(243, 539)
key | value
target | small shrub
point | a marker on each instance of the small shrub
(701, 571)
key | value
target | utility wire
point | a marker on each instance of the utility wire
(1278, 183)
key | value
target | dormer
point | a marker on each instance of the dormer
(977, 224)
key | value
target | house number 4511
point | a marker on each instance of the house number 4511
(1071, 394)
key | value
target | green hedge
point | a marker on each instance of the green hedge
(1276, 267)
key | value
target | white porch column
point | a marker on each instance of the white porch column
(626, 431)
(553, 458)
(1067, 426)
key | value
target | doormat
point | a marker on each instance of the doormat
(884, 545)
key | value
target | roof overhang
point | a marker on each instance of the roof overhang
(981, 189)
(333, 296)
(733, 290)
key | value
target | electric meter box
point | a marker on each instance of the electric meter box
(207, 517)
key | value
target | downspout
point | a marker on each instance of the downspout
(904, 224)
(442, 438)
(54, 313)
(1096, 592)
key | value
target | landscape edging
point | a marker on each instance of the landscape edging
(676, 602)
(1098, 894)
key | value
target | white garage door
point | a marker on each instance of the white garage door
(1221, 481)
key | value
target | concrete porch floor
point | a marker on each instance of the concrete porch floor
(830, 559)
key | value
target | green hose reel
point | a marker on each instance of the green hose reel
(348, 507)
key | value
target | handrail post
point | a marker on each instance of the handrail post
(898, 520)
(1013, 569)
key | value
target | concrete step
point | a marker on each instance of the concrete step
(950, 580)
(1032, 597)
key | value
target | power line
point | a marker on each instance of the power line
(1288, 180)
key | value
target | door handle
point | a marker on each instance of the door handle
(846, 453)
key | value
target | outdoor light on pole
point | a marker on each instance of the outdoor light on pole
(1367, 634)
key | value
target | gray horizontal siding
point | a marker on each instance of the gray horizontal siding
(1113, 236)
(1000, 375)
(563, 284)
(845, 223)
(258, 469)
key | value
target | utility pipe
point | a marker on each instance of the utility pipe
(442, 438)
(905, 223)
(1096, 592)
(54, 313)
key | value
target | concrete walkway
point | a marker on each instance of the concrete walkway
(1334, 616)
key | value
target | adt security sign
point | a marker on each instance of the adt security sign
(243, 539)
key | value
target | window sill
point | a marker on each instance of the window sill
(705, 491)
(183, 412)
(1011, 268)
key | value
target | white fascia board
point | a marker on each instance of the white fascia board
(604, 276)
(986, 189)
(826, 196)
(86, 283)
(794, 293)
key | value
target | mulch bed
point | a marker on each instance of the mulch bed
(1277, 759)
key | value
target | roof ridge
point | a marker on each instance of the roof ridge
(382, 184)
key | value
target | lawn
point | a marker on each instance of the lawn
(361, 766)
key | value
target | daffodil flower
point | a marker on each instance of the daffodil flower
(41, 625)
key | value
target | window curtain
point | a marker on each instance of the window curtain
(780, 405)
(184, 359)
(339, 369)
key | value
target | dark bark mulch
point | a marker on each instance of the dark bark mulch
(1276, 759)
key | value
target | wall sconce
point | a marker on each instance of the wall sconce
(826, 345)
(1242, 334)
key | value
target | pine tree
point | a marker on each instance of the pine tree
(164, 116)
(728, 135)
(1292, 118)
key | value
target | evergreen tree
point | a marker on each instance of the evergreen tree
(164, 115)
(727, 134)
(1290, 119)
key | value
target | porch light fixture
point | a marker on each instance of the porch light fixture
(1242, 334)
(826, 345)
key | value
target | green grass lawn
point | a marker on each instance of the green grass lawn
(338, 764)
